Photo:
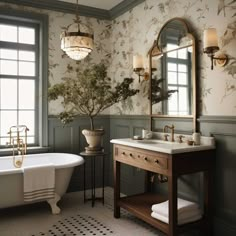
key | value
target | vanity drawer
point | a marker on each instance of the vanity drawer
(151, 161)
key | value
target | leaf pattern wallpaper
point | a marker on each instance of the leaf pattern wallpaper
(133, 32)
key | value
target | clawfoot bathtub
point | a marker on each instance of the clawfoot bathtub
(11, 178)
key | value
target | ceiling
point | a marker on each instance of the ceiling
(100, 9)
(101, 4)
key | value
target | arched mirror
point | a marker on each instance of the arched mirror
(172, 72)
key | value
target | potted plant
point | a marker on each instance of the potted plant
(90, 94)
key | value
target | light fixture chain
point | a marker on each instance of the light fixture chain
(77, 14)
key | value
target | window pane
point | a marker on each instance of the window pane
(8, 119)
(182, 68)
(190, 49)
(183, 99)
(172, 66)
(171, 46)
(8, 54)
(26, 35)
(27, 68)
(27, 118)
(8, 94)
(4, 141)
(183, 113)
(26, 94)
(172, 54)
(26, 56)
(182, 53)
(30, 140)
(8, 67)
(172, 78)
(173, 100)
(8, 33)
(182, 78)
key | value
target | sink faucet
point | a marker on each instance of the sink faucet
(172, 128)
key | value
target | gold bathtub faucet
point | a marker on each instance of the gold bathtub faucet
(172, 128)
(19, 142)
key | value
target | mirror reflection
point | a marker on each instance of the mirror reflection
(172, 74)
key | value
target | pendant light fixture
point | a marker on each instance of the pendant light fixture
(77, 45)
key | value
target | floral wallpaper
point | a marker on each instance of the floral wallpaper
(61, 65)
(134, 32)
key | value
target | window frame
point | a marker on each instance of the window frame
(24, 18)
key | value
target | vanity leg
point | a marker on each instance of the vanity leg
(149, 184)
(116, 189)
(208, 201)
(172, 195)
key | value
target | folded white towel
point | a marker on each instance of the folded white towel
(181, 220)
(183, 207)
(39, 183)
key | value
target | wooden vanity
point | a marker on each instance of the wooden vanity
(172, 165)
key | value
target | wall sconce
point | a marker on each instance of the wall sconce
(138, 67)
(210, 47)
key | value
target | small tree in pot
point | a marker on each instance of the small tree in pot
(90, 94)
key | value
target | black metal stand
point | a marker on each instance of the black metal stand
(93, 183)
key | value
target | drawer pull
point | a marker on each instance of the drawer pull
(131, 155)
(156, 161)
(145, 158)
(123, 153)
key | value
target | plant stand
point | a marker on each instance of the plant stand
(93, 156)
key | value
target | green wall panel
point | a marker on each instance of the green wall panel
(70, 139)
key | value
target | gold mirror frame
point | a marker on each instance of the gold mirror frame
(156, 50)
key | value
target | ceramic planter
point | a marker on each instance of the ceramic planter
(94, 140)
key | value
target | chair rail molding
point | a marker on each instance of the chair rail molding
(217, 119)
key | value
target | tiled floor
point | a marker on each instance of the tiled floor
(76, 218)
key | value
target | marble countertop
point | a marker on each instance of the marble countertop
(166, 146)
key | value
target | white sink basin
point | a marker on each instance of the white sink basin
(163, 146)
(148, 141)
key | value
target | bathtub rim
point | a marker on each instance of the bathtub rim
(79, 161)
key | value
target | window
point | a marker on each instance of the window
(178, 78)
(22, 99)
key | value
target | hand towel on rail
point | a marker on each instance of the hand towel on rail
(183, 207)
(39, 183)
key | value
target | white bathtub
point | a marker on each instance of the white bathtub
(11, 178)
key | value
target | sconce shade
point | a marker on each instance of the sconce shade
(137, 61)
(210, 41)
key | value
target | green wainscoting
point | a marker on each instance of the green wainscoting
(224, 131)
(132, 179)
(70, 139)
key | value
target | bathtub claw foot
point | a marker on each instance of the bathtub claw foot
(53, 204)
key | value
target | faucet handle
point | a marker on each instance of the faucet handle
(166, 137)
(180, 137)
